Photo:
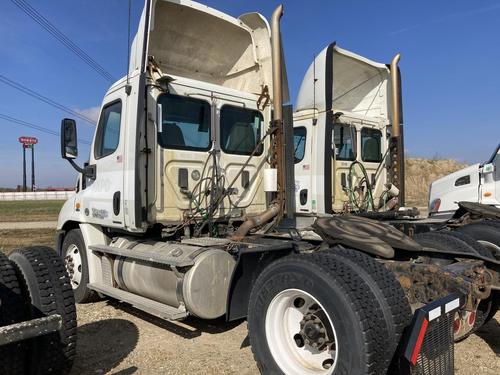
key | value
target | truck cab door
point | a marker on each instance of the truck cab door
(490, 180)
(303, 168)
(102, 202)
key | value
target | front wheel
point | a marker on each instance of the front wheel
(74, 253)
(311, 314)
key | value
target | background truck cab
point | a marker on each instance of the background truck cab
(479, 183)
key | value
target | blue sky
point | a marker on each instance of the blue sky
(450, 58)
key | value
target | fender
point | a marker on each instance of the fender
(249, 264)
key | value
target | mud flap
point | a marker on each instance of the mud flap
(428, 346)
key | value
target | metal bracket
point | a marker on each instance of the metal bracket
(264, 98)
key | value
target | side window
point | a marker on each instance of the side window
(108, 133)
(344, 144)
(299, 143)
(240, 130)
(185, 123)
(371, 140)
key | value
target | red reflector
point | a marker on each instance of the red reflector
(420, 340)
(472, 318)
(456, 325)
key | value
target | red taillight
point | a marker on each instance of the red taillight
(434, 206)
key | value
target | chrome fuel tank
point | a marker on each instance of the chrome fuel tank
(201, 287)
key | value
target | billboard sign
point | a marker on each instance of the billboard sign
(28, 140)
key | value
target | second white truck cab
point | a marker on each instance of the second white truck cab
(479, 183)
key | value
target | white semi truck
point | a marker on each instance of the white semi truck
(187, 204)
(478, 183)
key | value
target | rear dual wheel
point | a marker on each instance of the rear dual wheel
(318, 314)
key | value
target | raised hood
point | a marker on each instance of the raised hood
(345, 82)
(194, 41)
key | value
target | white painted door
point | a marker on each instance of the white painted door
(102, 201)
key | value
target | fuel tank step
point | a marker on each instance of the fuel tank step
(145, 304)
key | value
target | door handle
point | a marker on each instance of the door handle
(116, 203)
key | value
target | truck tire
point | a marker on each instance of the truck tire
(443, 241)
(44, 281)
(478, 248)
(390, 295)
(12, 310)
(74, 253)
(446, 241)
(327, 309)
(494, 307)
(487, 233)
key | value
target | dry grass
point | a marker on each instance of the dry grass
(419, 175)
(29, 210)
(13, 239)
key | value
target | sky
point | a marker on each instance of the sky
(450, 59)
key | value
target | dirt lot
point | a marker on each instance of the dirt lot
(117, 339)
(114, 338)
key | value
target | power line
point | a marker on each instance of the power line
(36, 127)
(44, 99)
(61, 37)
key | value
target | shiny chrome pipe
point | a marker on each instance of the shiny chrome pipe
(277, 63)
(396, 118)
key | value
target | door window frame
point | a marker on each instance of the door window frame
(99, 133)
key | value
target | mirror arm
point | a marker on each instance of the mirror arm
(87, 171)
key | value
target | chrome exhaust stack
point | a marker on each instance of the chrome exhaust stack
(278, 144)
(397, 167)
(276, 209)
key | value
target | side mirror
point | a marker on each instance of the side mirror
(69, 143)
(488, 168)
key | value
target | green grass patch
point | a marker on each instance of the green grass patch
(29, 210)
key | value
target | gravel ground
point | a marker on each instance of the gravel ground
(117, 339)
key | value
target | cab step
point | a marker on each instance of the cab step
(150, 306)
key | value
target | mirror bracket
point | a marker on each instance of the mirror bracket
(88, 171)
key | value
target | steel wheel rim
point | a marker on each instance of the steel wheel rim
(286, 331)
(73, 261)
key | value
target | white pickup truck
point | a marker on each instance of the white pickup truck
(479, 183)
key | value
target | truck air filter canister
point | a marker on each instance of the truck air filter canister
(270, 180)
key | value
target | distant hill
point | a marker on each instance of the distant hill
(421, 172)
